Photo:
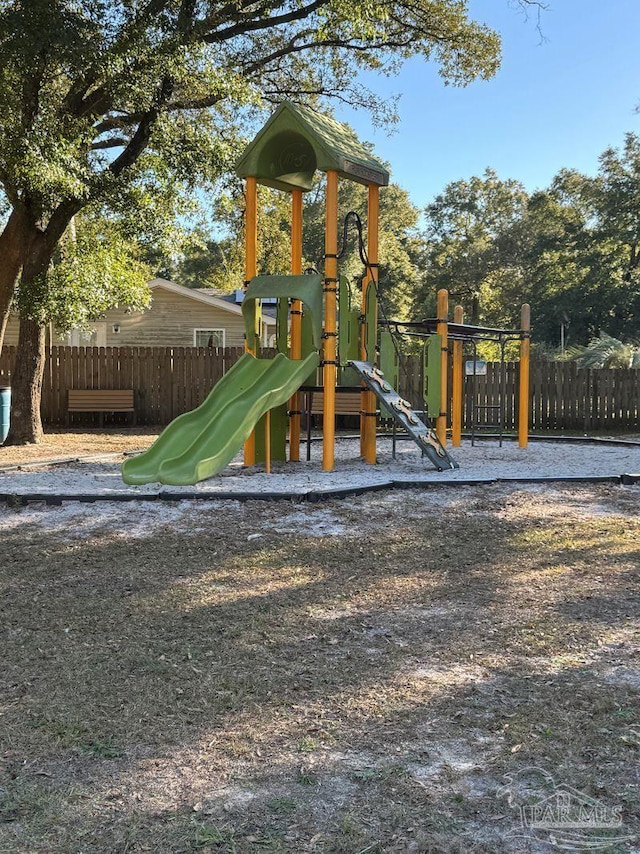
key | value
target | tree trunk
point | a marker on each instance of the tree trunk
(14, 245)
(26, 382)
(475, 309)
(26, 385)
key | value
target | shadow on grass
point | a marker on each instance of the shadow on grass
(159, 692)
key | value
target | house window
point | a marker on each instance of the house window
(208, 337)
(95, 337)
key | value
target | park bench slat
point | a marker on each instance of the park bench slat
(348, 403)
(100, 400)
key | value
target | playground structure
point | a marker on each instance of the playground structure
(317, 327)
(443, 343)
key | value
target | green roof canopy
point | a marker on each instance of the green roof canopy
(296, 141)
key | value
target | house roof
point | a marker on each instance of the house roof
(236, 298)
(296, 141)
(203, 295)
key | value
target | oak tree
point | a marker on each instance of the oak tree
(100, 98)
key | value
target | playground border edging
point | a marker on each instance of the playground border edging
(313, 496)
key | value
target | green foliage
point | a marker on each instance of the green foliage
(90, 274)
(572, 251)
(473, 242)
(605, 351)
(207, 262)
(87, 87)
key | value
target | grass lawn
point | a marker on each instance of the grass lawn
(373, 675)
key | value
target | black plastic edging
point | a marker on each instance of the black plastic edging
(425, 483)
(630, 479)
(229, 496)
(566, 440)
(578, 478)
(313, 496)
(317, 495)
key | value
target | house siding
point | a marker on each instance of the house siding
(168, 322)
(11, 331)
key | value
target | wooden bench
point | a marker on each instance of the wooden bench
(347, 403)
(100, 400)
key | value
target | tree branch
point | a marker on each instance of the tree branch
(117, 122)
(112, 142)
(60, 219)
(293, 48)
(264, 23)
(234, 11)
(75, 97)
(140, 139)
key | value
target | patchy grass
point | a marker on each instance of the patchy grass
(79, 442)
(203, 689)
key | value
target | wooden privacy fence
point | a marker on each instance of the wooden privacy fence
(168, 381)
(562, 397)
(565, 397)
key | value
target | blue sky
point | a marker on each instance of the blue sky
(556, 102)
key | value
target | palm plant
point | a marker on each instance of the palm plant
(605, 351)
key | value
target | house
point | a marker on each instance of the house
(177, 317)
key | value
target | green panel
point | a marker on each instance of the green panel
(307, 347)
(279, 424)
(201, 443)
(348, 324)
(296, 141)
(431, 356)
(389, 359)
(348, 377)
(371, 331)
(389, 362)
(282, 326)
(308, 289)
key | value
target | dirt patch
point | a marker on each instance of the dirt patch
(79, 443)
(362, 676)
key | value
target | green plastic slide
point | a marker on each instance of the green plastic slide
(201, 443)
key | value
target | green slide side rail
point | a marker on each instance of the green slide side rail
(199, 444)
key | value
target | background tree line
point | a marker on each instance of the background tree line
(571, 250)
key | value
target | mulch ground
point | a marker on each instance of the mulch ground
(402, 672)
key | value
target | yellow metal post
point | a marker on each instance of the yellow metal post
(296, 319)
(441, 329)
(523, 402)
(250, 270)
(367, 419)
(267, 442)
(457, 384)
(329, 370)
